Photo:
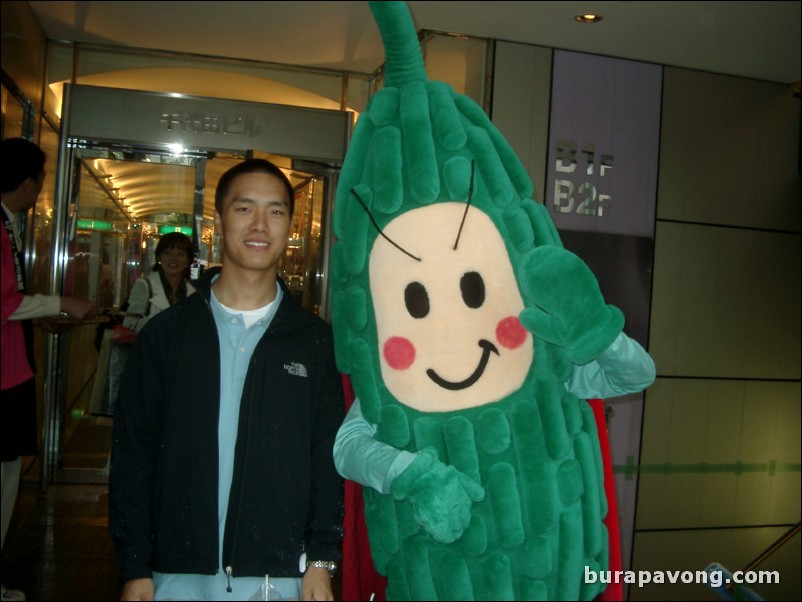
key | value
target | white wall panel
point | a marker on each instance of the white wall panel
(725, 302)
(729, 152)
(520, 108)
(720, 453)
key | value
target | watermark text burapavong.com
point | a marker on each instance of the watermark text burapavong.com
(713, 578)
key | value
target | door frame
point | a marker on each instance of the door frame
(173, 121)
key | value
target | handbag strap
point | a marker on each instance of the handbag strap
(150, 294)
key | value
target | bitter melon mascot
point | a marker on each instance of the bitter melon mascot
(471, 338)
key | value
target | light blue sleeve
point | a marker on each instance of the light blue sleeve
(359, 457)
(624, 367)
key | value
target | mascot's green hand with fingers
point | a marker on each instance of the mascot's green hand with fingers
(471, 338)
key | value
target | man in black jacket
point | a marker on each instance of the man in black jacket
(222, 483)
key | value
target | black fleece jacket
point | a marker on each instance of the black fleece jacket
(286, 496)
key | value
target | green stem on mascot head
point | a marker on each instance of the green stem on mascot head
(403, 58)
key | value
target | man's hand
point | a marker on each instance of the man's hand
(78, 309)
(52, 325)
(316, 584)
(138, 589)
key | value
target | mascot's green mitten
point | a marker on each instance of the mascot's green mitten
(460, 318)
(440, 494)
(565, 304)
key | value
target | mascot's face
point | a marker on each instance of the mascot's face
(447, 320)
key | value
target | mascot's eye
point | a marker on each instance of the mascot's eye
(473, 289)
(417, 300)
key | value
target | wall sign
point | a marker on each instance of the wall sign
(132, 116)
(603, 148)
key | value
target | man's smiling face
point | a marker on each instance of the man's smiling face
(255, 222)
(447, 320)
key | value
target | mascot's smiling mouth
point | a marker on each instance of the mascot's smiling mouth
(487, 348)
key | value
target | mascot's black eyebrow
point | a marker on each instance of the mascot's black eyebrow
(379, 230)
(468, 204)
(399, 247)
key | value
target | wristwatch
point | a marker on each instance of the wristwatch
(329, 565)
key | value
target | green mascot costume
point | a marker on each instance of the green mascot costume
(468, 332)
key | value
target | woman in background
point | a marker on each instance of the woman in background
(167, 284)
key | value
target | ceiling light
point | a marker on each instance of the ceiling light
(588, 18)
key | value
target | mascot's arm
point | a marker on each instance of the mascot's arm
(359, 457)
(440, 495)
(624, 367)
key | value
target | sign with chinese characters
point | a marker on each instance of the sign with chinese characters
(211, 123)
(192, 122)
(603, 144)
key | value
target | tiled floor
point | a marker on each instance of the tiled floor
(58, 545)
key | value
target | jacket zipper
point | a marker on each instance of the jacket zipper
(229, 570)
(228, 551)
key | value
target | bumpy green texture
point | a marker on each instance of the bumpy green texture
(537, 457)
(506, 500)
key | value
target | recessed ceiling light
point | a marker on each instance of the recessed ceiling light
(588, 18)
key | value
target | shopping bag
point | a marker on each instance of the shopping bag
(114, 349)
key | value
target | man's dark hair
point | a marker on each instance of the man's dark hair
(21, 160)
(250, 166)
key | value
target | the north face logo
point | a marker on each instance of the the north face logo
(296, 369)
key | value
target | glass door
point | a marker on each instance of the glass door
(133, 165)
(133, 196)
(122, 201)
